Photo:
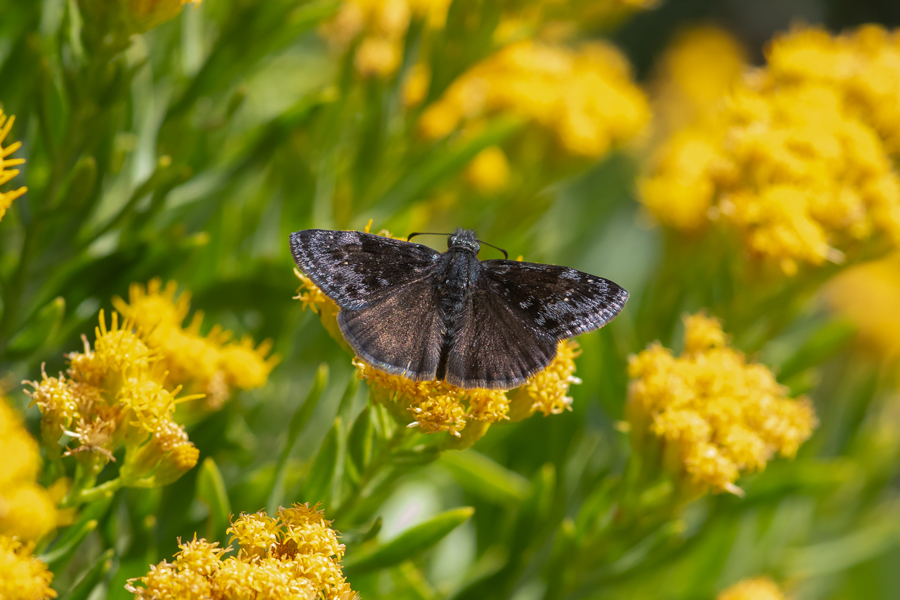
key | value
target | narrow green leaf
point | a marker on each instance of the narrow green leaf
(318, 482)
(361, 441)
(38, 330)
(61, 554)
(211, 491)
(481, 476)
(89, 580)
(78, 187)
(410, 543)
(820, 346)
(301, 417)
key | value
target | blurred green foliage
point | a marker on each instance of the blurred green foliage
(190, 152)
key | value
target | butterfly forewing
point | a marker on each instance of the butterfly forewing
(399, 333)
(557, 301)
(354, 268)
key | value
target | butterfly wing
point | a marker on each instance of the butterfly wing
(354, 268)
(399, 333)
(518, 314)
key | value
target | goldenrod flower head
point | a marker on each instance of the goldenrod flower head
(26, 509)
(795, 157)
(868, 296)
(380, 26)
(585, 96)
(714, 414)
(755, 588)
(214, 364)
(295, 555)
(489, 171)
(6, 174)
(22, 576)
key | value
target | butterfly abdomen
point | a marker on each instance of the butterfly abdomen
(457, 275)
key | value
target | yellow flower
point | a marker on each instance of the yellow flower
(214, 364)
(382, 26)
(6, 174)
(294, 555)
(795, 157)
(115, 394)
(26, 509)
(713, 414)
(868, 296)
(756, 588)
(22, 576)
(586, 97)
(489, 171)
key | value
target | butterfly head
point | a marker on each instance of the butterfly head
(464, 239)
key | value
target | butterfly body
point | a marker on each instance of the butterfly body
(409, 310)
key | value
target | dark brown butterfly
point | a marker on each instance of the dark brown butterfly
(409, 310)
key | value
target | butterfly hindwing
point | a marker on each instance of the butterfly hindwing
(354, 268)
(558, 301)
(399, 333)
(494, 348)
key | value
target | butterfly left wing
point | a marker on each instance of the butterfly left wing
(517, 316)
(355, 268)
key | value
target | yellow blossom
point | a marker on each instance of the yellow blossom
(585, 96)
(795, 157)
(22, 576)
(489, 171)
(714, 414)
(113, 394)
(293, 555)
(26, 509)
(6, 174)
(868, 296)
(755, 588)
(213, 364)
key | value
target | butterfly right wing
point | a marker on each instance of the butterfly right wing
(355, 268)
(399, 333)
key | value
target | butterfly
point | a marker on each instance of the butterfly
(409, 310)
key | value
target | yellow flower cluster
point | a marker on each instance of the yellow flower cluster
(585, 97)
(22, 576)
(378, 27)
(294, 555)
(711, 412)
(6, 198)
(213, 364)
(794, 158)
(868, 296)
(756, 588)
(26, 509)
(111, 395)
(437, 406)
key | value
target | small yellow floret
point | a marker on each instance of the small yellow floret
(6, 198)
(22, 576)
(756, 588)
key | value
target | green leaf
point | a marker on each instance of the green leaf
(317, 487)
(60, 555)
(819, 347)
(211, 491)
(89, 580)
(361, 441)
(301, 417)
(481, 476)
(410, 543)
(41, 328)
(78, 187)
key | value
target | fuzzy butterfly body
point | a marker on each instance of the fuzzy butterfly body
(412, 311)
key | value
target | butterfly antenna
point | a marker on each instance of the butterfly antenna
(505, 255)
(412, 235)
